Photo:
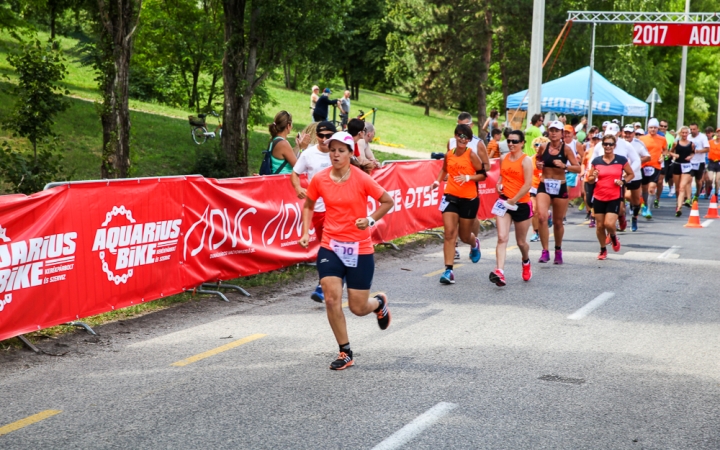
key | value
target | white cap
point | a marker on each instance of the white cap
(557, 125)
(637, 124)
(343, 137)
(605, 123)
(629, 128)
(599, 135)
(315, 87)
(615, 121)
(653, 123)
(612, 129)
(640, 131)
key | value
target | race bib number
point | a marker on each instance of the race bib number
(648, 171)
(443, 204)
(695, 166)
(499, 208)
(346, 251)
(552, 187)
(686, 168)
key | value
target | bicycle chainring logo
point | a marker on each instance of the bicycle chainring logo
(127, 244)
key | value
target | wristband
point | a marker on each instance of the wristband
(371, 221)
(467, 178)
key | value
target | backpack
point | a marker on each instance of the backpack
(266, 165)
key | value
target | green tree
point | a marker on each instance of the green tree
(259, 36)
(40, 67)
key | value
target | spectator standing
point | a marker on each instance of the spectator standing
(345, 110)
(533, 131)
(283, 157)
(320, 113)
(493, 147)
(465, 118)
(313, 100)
(491, 124)
(369, 136)
(581, 130)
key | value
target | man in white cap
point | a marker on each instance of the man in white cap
(625, 149)
(604, 125)
(702, 147)
(637, 125)
(657, 146)
(634, 188)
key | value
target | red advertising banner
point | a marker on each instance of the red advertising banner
(676, 34)
(86, 248)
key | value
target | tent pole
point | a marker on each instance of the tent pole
(536, 58)
(592, 72)
(718, 114)
(683, 71)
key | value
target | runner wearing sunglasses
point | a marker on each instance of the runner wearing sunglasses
(554, 159)
(513, 206)
(346, 250)
(459, 206)
(606, 173)
(311, 161)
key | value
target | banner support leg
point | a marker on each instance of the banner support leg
(199, 290)
(84, 326)
(390, 245)
(437, 234)
(27, 343)
(220, 285)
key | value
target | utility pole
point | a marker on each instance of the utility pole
(683, 70)
(536, 59)
(592, 72)
(718, 114)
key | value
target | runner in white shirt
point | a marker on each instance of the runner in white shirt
(702, 146)
(633, 190)
(314, 159)
(478, 147)
(622, 148)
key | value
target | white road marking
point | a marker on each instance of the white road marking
(417, 426)
(706, 223)
(666, 254)
(592, 306)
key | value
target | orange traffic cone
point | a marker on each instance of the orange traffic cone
(712, 210)
(694, 219)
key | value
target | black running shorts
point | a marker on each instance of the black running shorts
(562, 194)
(699, 172)
(466, 208)
(713, 166)
(633, 185)
(360, 277)
(610, 207)
(652, 178)
(523, 213)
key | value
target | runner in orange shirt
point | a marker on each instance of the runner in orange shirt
(714, 161)
(657, 147)
(346, 250)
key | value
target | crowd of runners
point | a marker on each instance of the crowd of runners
(619, 173)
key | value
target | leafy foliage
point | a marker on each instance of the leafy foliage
(26, 173)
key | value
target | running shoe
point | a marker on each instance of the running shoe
(616, 244)
(550, 220)
(526, 271)
(592, 223)
(633, 225)
(558, 257)
(694, 199)
(656, 203)
(582, 206)
(318, 295)
(343, 361)
(648, 216)
(565, 220)
(457, 254)
(672, 191)
(448, 277)
(608, 239)
(383, 316)
(535, 237)
(475, 252)
(497, 277)
(544, 257)
(645, 211)
(603, 254)
(623, 223)
(678, 212)
(687, 204)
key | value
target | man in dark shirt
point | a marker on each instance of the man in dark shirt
(321, 107)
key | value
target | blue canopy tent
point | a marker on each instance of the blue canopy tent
(569, 95)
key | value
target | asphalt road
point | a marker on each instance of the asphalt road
(465, 366)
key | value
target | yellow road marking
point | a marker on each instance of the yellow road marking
(511, 248)
(22, 423)
(587, 222)
(344, 305)
(220, 349)
(438, 272)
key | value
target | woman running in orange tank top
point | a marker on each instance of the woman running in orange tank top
(513, 206)
(459, 206)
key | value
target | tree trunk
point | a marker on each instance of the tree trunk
(211, 92)
(427, 109)
(118, 20)
(485, 57)
(53, 19)
(194, 95)
(503, 77)
(286, 74)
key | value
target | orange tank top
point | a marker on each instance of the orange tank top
(537, 173)
(460, 165)
(714, 153)
(513, 177)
